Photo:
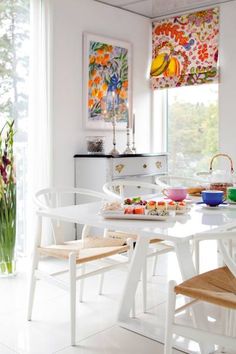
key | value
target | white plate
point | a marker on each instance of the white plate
(115, 215)
(221, 206)
(230, 202)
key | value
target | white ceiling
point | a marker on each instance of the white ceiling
(157, 8)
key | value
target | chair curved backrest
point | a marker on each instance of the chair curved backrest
(172, 180)
(56, 197)
(225, 237)
(121, 188)
(52, 196)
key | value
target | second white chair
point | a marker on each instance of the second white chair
(216, 287)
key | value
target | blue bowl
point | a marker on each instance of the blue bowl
(213, 197)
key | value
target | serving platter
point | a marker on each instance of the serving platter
(121, 215)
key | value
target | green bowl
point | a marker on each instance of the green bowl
(231, 194)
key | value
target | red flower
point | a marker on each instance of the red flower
(203, 52)
(3, 172)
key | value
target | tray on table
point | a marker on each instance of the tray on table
(121, 215)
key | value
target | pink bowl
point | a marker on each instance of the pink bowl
(176, 193)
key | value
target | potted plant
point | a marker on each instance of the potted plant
(7, 201)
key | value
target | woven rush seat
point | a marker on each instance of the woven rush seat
(217, 286)
(118, 235)
(84, 255)
(98, 241)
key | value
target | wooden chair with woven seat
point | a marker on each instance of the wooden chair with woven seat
(216, 287)
(77, 253)
(124, 188)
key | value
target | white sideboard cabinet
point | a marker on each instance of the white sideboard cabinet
(92, 171)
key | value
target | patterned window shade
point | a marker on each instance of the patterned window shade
(185, 50)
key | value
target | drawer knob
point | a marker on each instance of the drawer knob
(158, 164)
(119, 167)
(144, 165)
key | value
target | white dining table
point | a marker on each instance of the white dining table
(179, 230)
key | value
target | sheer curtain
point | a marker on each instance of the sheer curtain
(40, 105)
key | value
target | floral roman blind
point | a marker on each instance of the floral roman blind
(185, 50)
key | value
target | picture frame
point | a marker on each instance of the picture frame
(107, 82)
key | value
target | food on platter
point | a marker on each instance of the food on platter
(130, 201)
(151, 205)
(135, 200)
(139, 210)
(181, 206)
(157, 212)
(171, 205)
(129, 210)
(112, 206)
(139, 207)
(161, 205)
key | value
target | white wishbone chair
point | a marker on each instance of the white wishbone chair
(216, 287)
(77, 253)
(170, 180)
(119, 189)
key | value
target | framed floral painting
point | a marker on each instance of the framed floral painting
(107, 82)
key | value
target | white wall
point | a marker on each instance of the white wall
(70, 19)
(227, 87)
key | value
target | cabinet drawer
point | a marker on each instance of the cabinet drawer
(139, 166)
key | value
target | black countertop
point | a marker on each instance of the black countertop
(121, 155)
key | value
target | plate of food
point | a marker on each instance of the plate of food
(136, 208)
(114, 215)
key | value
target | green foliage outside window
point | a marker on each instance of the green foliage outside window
(193, 130)
(14, 62)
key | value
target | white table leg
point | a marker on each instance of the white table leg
(187, 269)
(135, 268)
(184, 256)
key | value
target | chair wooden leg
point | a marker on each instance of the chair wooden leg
(144, 286)
(72, 280)
(154, 265)
(32, 285)
(170, 314)
(81, 288)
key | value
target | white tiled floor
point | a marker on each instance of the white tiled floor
(97, 331)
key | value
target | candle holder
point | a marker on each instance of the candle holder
(114, 151)
(133, 135)
(128, 150)
(134, 151)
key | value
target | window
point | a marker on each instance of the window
(14, 67)
(189, 126)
